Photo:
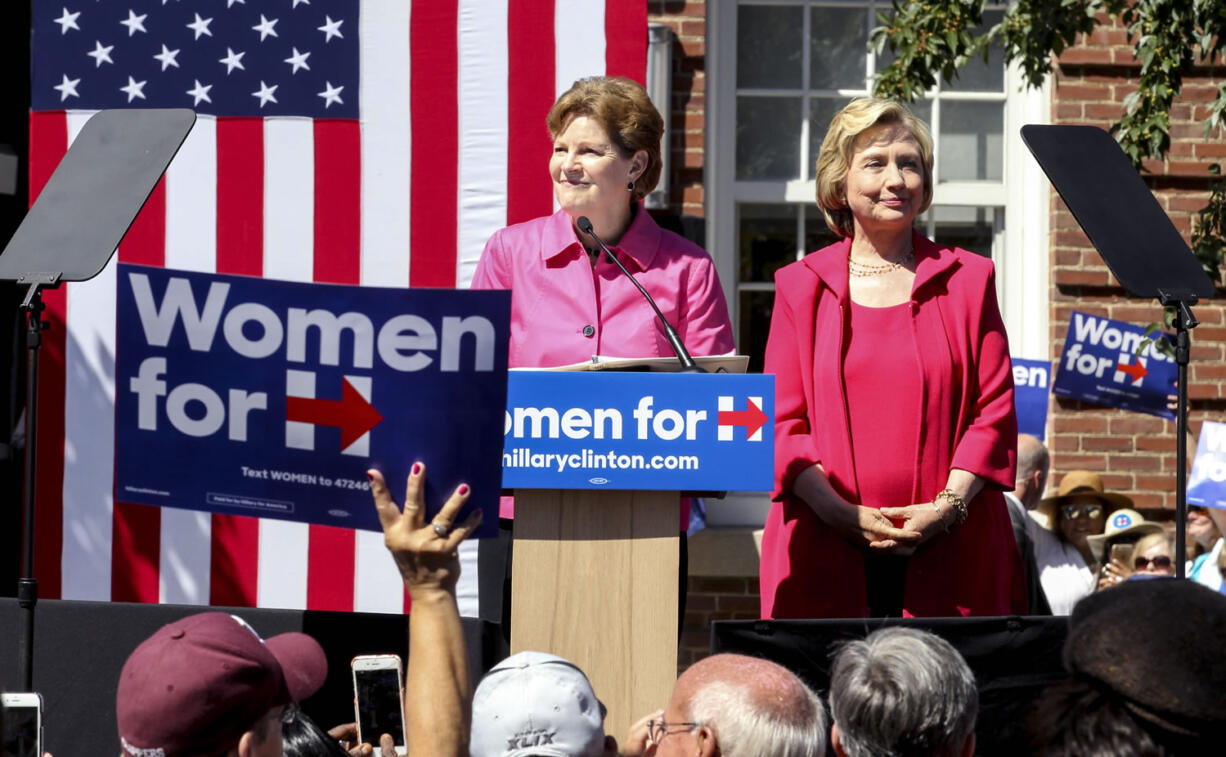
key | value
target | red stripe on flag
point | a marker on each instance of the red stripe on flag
(434, 122)
(530, 94)
(338, 260)
(625, 29)
(137, 529)
(48, 143)
(235, 543)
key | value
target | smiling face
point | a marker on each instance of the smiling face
(590, 174)
(884, 186)
(1076, 530)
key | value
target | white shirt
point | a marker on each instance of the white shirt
(1208, 574)
(1063, 573)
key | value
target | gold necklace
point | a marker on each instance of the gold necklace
(860, 270)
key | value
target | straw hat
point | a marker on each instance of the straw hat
(1122, 523)
(1084, 482)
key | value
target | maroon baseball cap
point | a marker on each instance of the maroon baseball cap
(197, 684)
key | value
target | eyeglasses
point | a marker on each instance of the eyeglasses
(1162, 562)
(1073, 512)
(658, 729)
(289, 714)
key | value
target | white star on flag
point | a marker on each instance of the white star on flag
(265, 27)
(134, 89)
(297, 2)
(298, 60)
(233, 60)
(230, 3)
(331, 28)
(67, 88)
(200, 26)
(101, 54)
(135, 23)
(200, 92)
(331, 95)
(68, 21)
(167, 58)
(265, 94)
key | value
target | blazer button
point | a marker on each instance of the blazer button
(589, 331)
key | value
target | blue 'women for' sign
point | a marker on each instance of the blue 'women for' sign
(1103, 362)
(249, 396)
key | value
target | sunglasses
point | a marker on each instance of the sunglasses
(1162, 562)
(1073, 512)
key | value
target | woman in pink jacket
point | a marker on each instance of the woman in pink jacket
(895, 431)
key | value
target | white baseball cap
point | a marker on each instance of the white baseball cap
(533, 703)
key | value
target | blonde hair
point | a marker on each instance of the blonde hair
(834, 161)
(621, 106)
(1149, 540)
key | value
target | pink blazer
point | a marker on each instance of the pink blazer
(967, 422)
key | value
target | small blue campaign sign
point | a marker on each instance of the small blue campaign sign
(1031, 387)
(650, 431)
(1101, 364)
(249, 396)
(1207, 482)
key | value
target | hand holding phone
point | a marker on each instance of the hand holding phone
(378, 699)
(23, 725)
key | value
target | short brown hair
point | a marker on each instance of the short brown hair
(622, 107)
(834, 161)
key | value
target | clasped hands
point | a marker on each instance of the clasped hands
(892, 530)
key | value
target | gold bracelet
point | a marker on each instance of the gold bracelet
(940, 515)
(959, 504)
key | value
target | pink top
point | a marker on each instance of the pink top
(881, 380)
(565, 311)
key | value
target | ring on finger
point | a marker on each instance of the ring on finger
(442, 529)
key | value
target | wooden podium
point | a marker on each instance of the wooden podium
(594, 576)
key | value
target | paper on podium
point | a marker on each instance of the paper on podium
(729, 363)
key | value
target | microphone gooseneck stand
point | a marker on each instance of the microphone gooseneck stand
(1182, 301)
(683, 355)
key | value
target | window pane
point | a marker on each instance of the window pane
(837, 48)
(817, 233)
(754, 326)
(971, 141)
(767, 137)
(768, 46)
(979, 76)
(821, 111)
(767, 240)
(967, 227)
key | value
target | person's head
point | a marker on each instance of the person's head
(301, 737)
(534, 704)
(1201, 531)
(740, 706)
(1033, 463)
(1078, 517)
(1153, 555)
(606, 145)
(209, 685)
(1129, 693)
(876, 159)
(1124, 527)
(902, 691)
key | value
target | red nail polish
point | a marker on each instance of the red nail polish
(463, 489)
(416, 469)
(370, 477)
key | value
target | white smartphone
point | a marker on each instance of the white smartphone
(23, 725)
(378, 698)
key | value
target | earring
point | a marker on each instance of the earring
(630, 185)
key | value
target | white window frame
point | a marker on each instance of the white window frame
(1021, 249)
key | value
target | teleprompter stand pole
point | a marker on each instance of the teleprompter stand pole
(27, 585)
(1182, 301)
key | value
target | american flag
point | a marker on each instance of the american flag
(377, 142)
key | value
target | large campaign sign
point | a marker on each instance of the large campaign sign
(1207, 483)
(1031, 387)
(1102, 363)
(249, 396)
(600, 430)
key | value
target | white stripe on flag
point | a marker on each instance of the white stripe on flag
(282, 567)
(466, 590)
(377, 586)
(185, 548)
(482, 101)
(386, 143)
(89, 427)
(578, 41)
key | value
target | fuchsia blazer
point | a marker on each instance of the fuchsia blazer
(967, 422)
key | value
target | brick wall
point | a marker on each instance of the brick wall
(687, 19)
(1135, 452)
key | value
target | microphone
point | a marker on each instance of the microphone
(687, 363)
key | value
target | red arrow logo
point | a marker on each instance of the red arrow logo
(752, 418)
(352, 413)
(1136, 370)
